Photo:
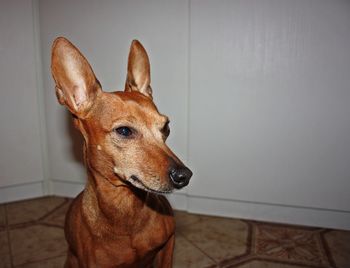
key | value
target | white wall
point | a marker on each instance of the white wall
(269, 104)
(257, 92)
(20, 144)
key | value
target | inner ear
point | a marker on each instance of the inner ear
(76, 84)
(139, 74)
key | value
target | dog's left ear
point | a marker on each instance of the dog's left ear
(139, 74)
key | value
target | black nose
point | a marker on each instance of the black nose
(180, 176)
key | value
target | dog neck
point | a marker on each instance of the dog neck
(118, 205)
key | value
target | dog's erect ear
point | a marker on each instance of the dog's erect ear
(76, 84)
(138, 77)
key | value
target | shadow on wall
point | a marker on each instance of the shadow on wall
(76, 138)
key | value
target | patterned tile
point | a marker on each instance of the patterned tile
(36, 243)
(339, 246)
(201, 241)
(266, 264)
(2, 217)
(57, 217)
(5, 261)
(187, 255)
(184, 218)
(30, 210)
(219, 238)
(50, 263)
(290, 244)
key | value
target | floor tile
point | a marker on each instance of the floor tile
(58, 216)
(5, 261)
(265, 264)
(201, 241)
(339, 246)
(29, 210)
(2, 216)
(219, 238)
(37, 243)
(187, 255)
(292, 244)
(184, 218)
(50, 263)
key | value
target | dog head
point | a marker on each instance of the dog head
(125, 135)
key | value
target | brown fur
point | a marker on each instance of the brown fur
(117, 221)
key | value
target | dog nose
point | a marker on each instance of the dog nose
(180, 176)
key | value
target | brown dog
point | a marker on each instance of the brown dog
(120, 219)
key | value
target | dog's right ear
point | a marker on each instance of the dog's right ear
(76, 84)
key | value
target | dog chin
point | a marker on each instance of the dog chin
(136, 182)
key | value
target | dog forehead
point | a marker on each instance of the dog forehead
(115, 106)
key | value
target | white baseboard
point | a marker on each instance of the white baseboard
(178, 200)
(269, 212)
(21, 192)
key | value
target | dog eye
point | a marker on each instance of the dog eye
(124, 131)
(166, 130)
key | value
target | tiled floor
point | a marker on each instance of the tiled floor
(31, 236)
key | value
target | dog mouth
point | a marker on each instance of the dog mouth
(134, 181)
